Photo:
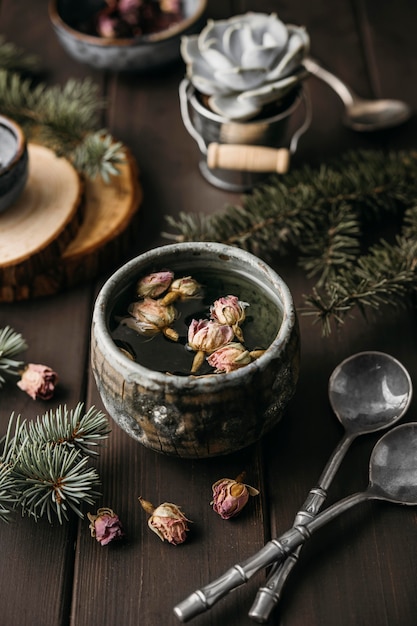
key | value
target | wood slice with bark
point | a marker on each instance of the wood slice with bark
(102, 239)
(38, 226)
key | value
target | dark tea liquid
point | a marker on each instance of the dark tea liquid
(259, 328)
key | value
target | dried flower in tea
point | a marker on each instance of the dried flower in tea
(230, 311)
(167, 521)
(206, 336)
(182, 288)
(38, 381)
(150, 317)
(105, 526)
(229, 358)
(230, 496)
(154, 285)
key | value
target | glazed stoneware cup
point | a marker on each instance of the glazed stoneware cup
(13, 162)
(212, 414)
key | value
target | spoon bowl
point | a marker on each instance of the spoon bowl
(369, 391)
(361, 114)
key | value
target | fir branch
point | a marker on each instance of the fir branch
(8, 495)
(64, 119)
(322, 214)
(11, 343)
(73, 429)
(386, 276)
(98, 155)
(51, 480)
(47, 463)
(15, 59)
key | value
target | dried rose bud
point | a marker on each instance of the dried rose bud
(231, 311)
(181, 289)
(129, 10)
(154, 285)
(230, 496)
(38, 381)
(230, 357)
(151, 317)
(170, 6)
(167, 521)
(206, 336)
(105, 526)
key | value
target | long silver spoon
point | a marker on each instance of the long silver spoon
(361, 114)
(368, 391)
(392, 477)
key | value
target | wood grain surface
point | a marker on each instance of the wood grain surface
(358, 571)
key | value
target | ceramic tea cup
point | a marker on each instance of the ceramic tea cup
(207, 414)
(13, 162)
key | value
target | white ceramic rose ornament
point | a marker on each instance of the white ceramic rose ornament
(245, 62)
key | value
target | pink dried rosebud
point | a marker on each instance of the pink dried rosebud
(154, 285)
(105, 526)
(129, 10)
(206, 336)
(151, 317)
(231, 311)
(230, 357)
(230, 496)
(181, 289)
(38, 381)
(167, 521)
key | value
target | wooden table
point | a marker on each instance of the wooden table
(361, 569)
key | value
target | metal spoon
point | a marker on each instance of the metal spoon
(392, 477)
(368, 392)
(360, 114)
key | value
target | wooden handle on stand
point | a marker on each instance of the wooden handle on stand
(248, 158)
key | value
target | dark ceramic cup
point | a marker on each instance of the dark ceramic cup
(198, 416)
(13, 162)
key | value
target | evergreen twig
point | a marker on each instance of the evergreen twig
(11, 344)
(63, 118)
(323, 215)
(43, 465)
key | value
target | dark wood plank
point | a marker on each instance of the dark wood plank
(358, 570)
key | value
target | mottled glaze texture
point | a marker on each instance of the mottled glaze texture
(191, 416)
(13, 162)
(121, 55)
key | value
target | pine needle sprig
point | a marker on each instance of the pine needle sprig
(46, 461)
(8, 495)
(16, 59)
(386, 276)
(53, 481)
(70, 428)
(98, 155)
(64, 119)
(323, 215)
(11, 344)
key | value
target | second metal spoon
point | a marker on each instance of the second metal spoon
(362, 114)
(368, 392)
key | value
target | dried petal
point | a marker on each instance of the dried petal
(206, 336)
(230, 357)
(105, 526)
(38, 381)
(167, 521)
(151, 317)
(230, 311)
(154, 285)
(182, 288)
(230, 496)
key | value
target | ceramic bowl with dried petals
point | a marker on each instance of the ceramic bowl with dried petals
(205, 415)
(131, 54)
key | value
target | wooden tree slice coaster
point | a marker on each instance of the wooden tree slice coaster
(102, 239)
(39, 225)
